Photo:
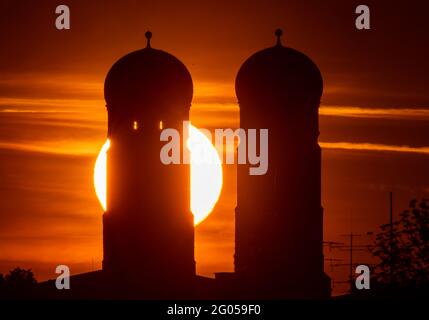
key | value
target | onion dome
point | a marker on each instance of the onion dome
(279, 77)
(150, 83)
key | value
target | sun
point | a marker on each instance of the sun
(100, 170)
(206, 174)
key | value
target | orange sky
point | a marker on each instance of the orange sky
(374, 117)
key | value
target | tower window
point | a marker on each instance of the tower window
(161, 125)
(135, 125)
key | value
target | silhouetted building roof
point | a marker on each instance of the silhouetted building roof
(278, 74)
(151, 78)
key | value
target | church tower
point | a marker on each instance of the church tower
(148, 228)
(279, 217)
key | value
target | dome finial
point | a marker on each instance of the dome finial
(278, 34)
(148, 35)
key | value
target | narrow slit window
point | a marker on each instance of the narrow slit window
(135, 125)
(161, 125)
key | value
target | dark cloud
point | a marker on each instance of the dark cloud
(397, 132)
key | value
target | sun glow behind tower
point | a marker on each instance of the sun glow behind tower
(206, 176)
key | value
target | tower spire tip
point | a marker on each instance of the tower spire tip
(278, 33)
(148, 36)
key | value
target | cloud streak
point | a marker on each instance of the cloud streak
(382, 113)
(66, 147)
(373, 147)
